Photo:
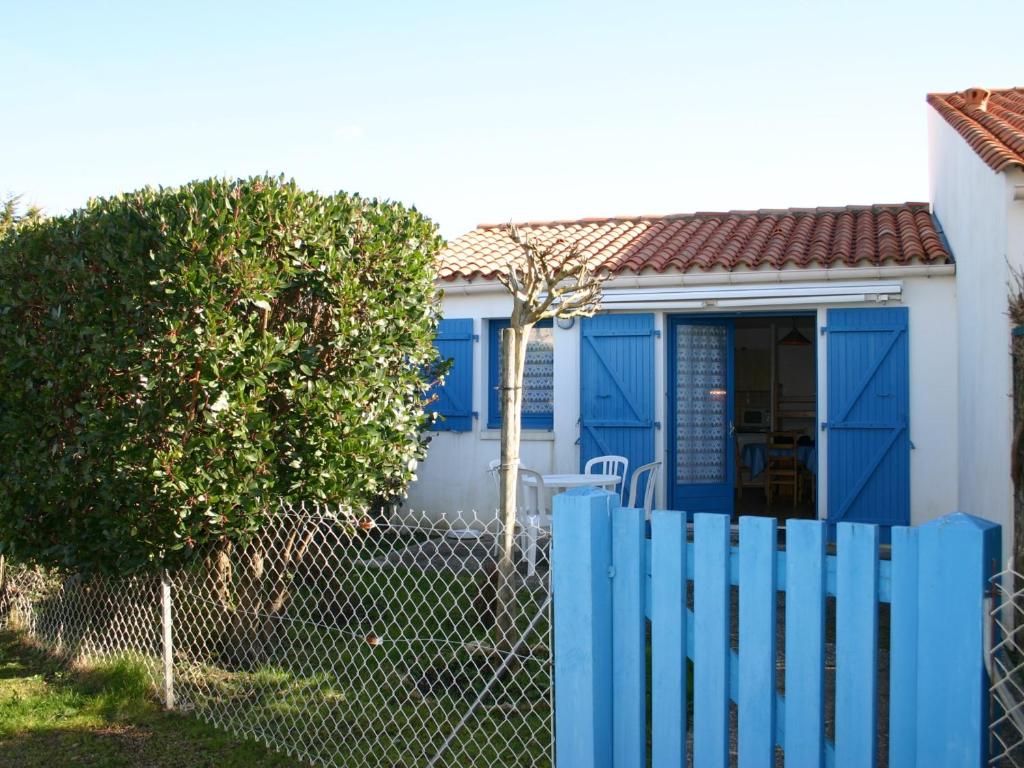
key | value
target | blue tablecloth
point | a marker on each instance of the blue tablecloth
(754, 456)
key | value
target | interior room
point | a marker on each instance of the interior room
(775, 416)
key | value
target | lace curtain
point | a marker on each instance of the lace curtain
(538, 374)
(701, 413)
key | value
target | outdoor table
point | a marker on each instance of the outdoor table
(555, 483)
(565, 481)
(552, 484)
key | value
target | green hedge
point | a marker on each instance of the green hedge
(174, 361)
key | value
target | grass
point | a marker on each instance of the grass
(102, 718)
(348, 702)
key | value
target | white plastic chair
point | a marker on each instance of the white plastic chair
(531, 514)
(492, 470)
(610, 465)
(651, 471)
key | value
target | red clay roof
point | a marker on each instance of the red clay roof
(992, 122)
(878, 235)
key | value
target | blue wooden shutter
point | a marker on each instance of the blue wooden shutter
(454, 400)
(617, 388)
(868, 416)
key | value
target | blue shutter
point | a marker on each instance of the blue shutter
(868, 416)
(617, 388)
(454, 400)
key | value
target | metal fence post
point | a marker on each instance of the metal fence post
(955, 562)
(581, 587)
(165, 604)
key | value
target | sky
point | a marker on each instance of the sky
(488, 112)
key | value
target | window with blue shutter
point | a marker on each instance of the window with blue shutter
(538, 376)
(454, 396)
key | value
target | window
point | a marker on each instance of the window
(538, 376)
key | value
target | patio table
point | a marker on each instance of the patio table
(562, 482)
(539, 516)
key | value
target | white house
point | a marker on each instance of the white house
(877, 333)
(976, 152)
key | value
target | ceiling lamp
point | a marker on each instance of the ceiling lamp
(794, 338)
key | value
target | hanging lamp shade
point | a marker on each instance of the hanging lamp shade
(794, 338)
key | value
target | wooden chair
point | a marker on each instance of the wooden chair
(610, 465)
(651, 471)
(741, 471)
(782, 470)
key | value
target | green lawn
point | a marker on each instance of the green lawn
(105, 718)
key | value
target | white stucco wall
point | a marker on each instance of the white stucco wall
(453, 477)
(985, 231)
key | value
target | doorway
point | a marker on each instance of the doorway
(743, 413)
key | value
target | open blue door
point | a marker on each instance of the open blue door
(702, 462)
(617, 389)
(868, 416)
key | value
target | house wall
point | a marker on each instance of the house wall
(985, 231)
(453, 477)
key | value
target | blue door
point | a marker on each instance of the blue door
(868, 416)
(617, 389)
(702, 461)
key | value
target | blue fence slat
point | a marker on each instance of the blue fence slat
(668, 637)
(581, 558)
(711, 640)
(956, 557)
(856, 644)
(757, 601)
(629, 639)
(805, 642)
(780, 569)
(903, 648)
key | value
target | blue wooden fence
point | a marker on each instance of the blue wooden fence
(609, 577)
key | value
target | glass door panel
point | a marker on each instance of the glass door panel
(701, 372)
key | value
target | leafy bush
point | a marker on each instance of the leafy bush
(173, 361)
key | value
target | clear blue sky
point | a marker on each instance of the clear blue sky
(479, 111)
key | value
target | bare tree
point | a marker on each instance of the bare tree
(546, 281)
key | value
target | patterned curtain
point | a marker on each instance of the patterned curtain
(539, 372)
(701, 398)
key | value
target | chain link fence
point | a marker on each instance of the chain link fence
(1004, 638)
(341, 639)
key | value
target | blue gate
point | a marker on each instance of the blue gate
(612, 578)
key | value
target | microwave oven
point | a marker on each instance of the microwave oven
(755, 418)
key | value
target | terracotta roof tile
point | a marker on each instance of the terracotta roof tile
(992, 122)
(878, 235)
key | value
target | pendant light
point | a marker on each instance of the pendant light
(794, 338)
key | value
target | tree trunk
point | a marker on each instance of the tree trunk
(513, 342)
(218, 569)
(1017, 452)
(262, 591)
